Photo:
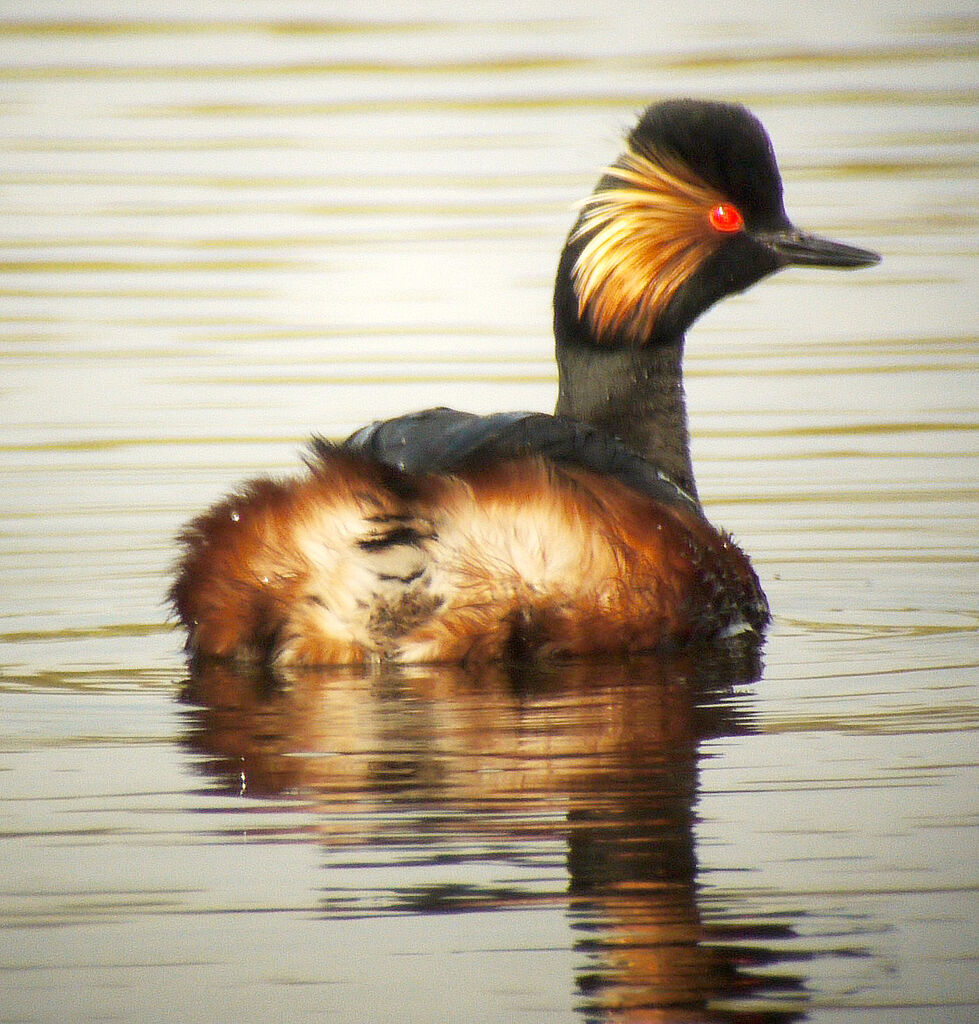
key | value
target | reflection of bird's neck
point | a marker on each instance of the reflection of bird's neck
(634, 393)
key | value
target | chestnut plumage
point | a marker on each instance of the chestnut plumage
(444, 536)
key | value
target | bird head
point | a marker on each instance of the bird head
(690, 212)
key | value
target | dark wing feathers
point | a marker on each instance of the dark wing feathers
(445, 440)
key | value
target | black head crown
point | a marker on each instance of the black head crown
(690, 212)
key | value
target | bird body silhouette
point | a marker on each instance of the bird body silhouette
(445, 536)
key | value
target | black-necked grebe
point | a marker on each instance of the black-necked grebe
(444, 536)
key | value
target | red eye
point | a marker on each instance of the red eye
(726, 217)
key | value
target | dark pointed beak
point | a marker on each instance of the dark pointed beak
(793, 248)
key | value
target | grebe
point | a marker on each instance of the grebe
(445, 536)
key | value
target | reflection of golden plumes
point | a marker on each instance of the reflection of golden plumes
(649, 233)
(600, 757)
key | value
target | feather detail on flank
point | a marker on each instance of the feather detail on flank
(649, 231)
(356, 562)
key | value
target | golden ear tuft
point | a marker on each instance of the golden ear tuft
(647, 234)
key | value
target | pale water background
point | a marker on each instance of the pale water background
(226, 225)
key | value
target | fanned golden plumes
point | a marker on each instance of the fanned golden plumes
(649, 233)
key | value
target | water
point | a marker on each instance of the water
(225, 228)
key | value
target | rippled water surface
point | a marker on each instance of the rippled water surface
(225, 226)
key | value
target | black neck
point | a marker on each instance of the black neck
(634, 393)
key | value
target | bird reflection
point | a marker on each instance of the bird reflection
(598, 759)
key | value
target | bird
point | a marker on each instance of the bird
(447, 536)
